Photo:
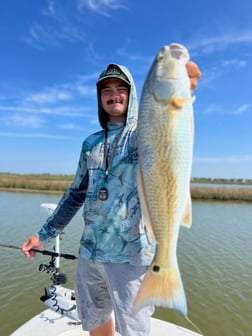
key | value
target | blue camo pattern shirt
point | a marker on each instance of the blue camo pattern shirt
(113, 229)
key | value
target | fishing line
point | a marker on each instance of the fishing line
(194, 325)
(44, 252)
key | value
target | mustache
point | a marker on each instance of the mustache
(114, 101)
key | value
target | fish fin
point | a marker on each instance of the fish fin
(187, 215)
(180, 102)
(144, 206)
(163, 288)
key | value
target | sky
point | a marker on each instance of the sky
(52, 51)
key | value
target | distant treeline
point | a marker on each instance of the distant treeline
(242, 181)
(59, 183)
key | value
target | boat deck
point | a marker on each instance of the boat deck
(50, 323)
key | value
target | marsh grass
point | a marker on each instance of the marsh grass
(222, 194)
(35, 182)
(59, 183)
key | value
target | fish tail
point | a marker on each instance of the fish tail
(162, 287)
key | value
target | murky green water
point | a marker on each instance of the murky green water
(215, 258)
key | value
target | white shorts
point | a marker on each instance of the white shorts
(101, 288)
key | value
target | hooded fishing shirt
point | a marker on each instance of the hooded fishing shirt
(113, 229)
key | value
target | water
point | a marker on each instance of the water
(215, 258)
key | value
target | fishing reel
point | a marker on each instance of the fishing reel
(53, 266)
(48, 268)
(57, 277)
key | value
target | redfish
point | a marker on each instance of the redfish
(165, 146)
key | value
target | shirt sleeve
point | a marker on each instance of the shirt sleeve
(70, 203)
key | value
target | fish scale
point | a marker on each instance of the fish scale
(165, 146)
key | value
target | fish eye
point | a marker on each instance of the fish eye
(160, 58)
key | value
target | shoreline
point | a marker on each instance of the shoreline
(197, 193)
(57, 184)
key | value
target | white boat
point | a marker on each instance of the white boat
(50, 323)
(65, 322)
(61, 317)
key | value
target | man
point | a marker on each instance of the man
(115, 247)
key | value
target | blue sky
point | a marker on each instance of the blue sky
(52, 52)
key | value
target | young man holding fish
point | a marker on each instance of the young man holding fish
(115, 247)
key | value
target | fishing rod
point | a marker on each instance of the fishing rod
(53, 266)
(44, 252)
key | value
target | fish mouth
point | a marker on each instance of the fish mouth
(178, 51)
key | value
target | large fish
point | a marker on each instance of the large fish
(165, 145)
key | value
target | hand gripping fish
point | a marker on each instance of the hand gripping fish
(165, 145)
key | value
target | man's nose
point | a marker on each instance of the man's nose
(114, 93)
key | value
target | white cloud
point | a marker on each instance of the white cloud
(69, 126)
(37, 135)
(225, 159)
(101, 6)
(65, 92)
(234, 63)
(64, 111)
(55, 26)
(243, 108)
(209, 45)
(212, 108)
(40, 37)
(50, 10)
(22, 120)
(49, 96)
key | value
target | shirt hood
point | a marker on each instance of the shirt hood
(122, 73)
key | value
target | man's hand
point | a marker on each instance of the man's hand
(193, 73)
(32, 242)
